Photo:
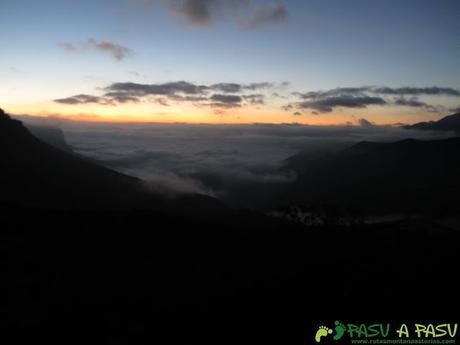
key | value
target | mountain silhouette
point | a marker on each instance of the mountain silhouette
(448, 123)
(39, 174)
(405, 176)
(87, 256)
(35, 173)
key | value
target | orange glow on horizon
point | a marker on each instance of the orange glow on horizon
(192, 114)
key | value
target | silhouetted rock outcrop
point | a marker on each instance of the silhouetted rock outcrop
(50, 135)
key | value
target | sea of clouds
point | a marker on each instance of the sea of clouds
(217, 160)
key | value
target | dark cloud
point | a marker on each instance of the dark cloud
(417, 91)
(226, 98)
(361, 97)
(116, 50)
(228, 95)
(342, 91)
(268, 14)
(120, 97)
(184, 87)
(258, 86)
(365, 123)
(326, 105)
(227, 87)
(82, 99)
(411, 102)
(226, 101)
(236, 88)
(119, 52)
(205, 13)
(255, 99)
(216, 95)
(414, 102)
(195, 12)
(297, 113)
(135, 89)
(383, 91)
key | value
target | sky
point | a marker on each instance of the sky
(231, 61)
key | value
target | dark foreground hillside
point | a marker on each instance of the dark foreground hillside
(140, 277)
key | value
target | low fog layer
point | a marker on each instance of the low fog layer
(217, 160)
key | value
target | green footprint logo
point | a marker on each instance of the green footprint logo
(339, 330)
(323, 331)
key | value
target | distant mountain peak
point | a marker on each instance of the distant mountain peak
(447, 123)
(33, 173)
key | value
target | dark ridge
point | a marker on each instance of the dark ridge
(37, 174)
(407, 176)
(448, 123)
